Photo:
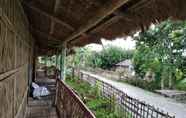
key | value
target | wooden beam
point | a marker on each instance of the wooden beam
(53, 18)
(5, 75)
(123, 14)
(104, 11)
(57, 5)
(52, 26)
(49, 40)
(140, 4)
(45, 35)
(107, 23)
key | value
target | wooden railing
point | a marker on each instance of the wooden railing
(126, 105)
(68, 104)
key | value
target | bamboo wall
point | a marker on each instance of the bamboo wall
(16, 50)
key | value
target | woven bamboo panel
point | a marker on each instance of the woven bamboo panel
(20, 87)
(19, 52)
(16, 53)
(14, 13)
(23, 107)
(16, 42)
(7, 47)
(6, 98)
(12, 94)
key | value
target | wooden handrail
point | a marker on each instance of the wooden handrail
(68, 103)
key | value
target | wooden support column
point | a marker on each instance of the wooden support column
(45, 70)
(63, 62)
(56, 63)
(32, 66)
(45, 60)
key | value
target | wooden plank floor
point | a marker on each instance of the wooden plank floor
(44, 107)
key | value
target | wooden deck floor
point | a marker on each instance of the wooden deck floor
(44, 107)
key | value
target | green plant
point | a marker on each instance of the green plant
(181, 85)
(99, 105)
(109, 56)
(161, 50)
(147, 85)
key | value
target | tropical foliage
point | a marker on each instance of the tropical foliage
(161, 50)
(109, 56)
(105, 59)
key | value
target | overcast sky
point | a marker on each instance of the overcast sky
(127, 44)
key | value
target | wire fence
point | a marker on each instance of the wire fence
(123, 104)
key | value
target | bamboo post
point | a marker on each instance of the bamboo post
(45, 66)
(63, 62)
(45, 60)
(56, 65)
(56, 60)
(61, 65)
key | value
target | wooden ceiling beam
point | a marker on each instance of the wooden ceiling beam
(124, 15)
(57, 5)
(53, 18)
(106, 23)
(140, 4)
(104, 11)
(49, 37)
(47, 43)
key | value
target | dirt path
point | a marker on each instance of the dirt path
(166, 104)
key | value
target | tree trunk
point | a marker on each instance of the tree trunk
(162, 83)
(170, 81)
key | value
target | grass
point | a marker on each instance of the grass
(150, 86)
(181, 85)
(101, 107)
(154, 85)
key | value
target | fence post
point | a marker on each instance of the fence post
(129, 107)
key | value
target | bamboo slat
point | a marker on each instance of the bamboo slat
(16, 51)
(69, 105)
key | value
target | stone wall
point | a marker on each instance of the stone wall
(16, 50)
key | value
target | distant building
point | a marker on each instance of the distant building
(125, 68)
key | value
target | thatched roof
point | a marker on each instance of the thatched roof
(79, 22)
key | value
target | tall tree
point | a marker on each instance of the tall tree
(161, 50)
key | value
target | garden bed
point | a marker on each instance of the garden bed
(100, 106)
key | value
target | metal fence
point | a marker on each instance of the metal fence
(125, 105)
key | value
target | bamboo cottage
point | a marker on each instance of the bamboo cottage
(30, 28)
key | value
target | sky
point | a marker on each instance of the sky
(126, 43)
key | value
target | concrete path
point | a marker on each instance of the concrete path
(166, 104)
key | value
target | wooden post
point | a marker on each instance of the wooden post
(33, 69)
(45, 69)
(56, 60)
(45, 60)
(56, 65)
(63, 62)
(61, 65)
